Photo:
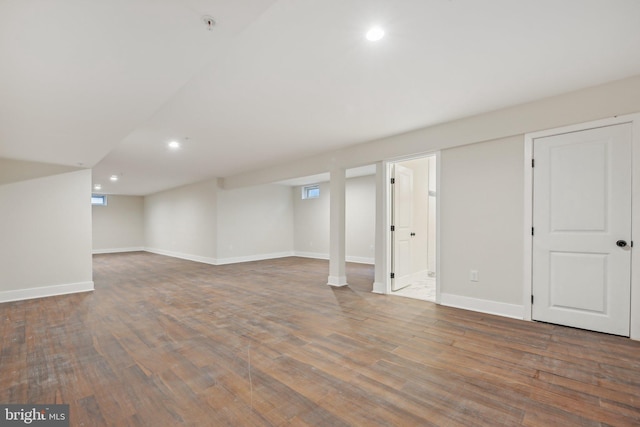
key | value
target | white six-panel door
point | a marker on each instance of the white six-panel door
(582, 218)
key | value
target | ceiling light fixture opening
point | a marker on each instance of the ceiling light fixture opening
(114, 178)
(97, 187)
(174, 145)
(209, 22)
(375, 34)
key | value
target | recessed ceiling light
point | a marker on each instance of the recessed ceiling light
(97, 187)
(174, 145)
(114, 178)
(375, 34)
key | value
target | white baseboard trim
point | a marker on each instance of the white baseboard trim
(189, 257)
(248, 258)
(337, 281)
(360, 260)
(45, 291)
(117, 250)
(314, 255)
(317, 255)
(482, 305)
(219, 261)
(379, 288)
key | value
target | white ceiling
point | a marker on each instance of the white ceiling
(107, 84)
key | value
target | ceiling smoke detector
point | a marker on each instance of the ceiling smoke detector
(208, 22)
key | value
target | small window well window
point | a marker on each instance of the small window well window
(311, 191)
(99, 200)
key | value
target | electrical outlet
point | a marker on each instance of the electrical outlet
(473, 276)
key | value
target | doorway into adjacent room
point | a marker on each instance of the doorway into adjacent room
(414, 228)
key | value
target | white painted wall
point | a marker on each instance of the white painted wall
(311, 221)
(254, 223)
(12, 170)
(119, 226)
(45, 248)
(432, 228)
(181, 222)
(482, 220)
(360, 219)
(205, 223)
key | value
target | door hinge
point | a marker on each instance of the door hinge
(393, 228)
(393, 180)
(531, 299)
(393, 275)
(533, 163)
(532, 231)
(631, 244)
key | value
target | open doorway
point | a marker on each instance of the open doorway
(413, 239)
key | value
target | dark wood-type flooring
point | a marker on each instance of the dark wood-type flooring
(165, 342)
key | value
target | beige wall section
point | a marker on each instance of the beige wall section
(19, 170)
(361, 218)
(311, 221)
(204, 223)
(182, 222)
(46, 236)
(254, 223)
(482, 220)
(432, 228)
(119, 226)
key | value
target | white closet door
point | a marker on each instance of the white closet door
(582, 223)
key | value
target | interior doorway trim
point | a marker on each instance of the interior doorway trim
(386, 192)
(527, 281)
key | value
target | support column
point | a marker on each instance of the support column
(382, 245)
(337, 251)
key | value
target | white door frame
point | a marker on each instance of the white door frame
(634, 119)
(386, 218)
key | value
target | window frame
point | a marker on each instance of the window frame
(99, 196)
(307, 191)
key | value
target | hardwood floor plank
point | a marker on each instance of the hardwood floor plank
(164, 341)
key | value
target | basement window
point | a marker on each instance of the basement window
(99, 200)
(311, 191)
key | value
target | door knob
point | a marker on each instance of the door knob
(621, 243)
